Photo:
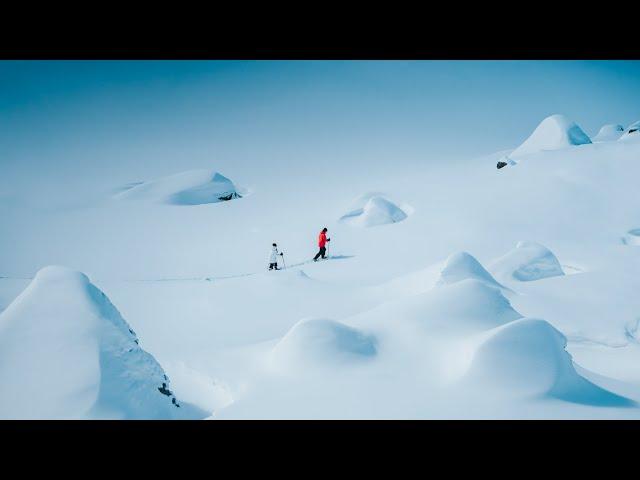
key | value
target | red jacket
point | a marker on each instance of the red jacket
(322, 239)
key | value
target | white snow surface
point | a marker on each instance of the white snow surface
(65, 352)
(377, 210)
(632, 132)
(608, 133)
(528, 261)
(436, 316)
(554, 132)
(193, 187)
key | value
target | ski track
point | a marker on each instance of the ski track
(207, 279)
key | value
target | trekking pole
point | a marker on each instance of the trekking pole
(284, 265)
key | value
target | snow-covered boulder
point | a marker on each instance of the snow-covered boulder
(193, 187)
(527, 357)
(526, 262)
(376, 210)
(632, 131)
(462, 266)
(608, 133)
(318, 342)
(66, 352)
(553, 133)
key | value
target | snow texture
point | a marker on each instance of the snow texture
(377, 210)
(65, 352)
(194, 187)
(553, 133)
(528, 261)
(609, 133)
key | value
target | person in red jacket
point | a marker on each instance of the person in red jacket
(322, 242)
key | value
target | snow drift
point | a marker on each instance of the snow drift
(467, 306)
(554, 132)
(609, 133)
(632, 131)
(526, 262)
(461, 266)
(193, 187)
(317, 342)
(65, 352)
(528, 357)
(632, 237)
(377, 210)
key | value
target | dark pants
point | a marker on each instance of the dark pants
(273, 266)
(322, 251)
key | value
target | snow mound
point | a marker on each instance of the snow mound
(462, 308)
(554, 132)
(465, 307)
(193, 187)
(528, 357)
(321, 342)
(608, 133)
(528, 261)
(632, 237)
(632, 131)
(66, 352)
(377, 210)
(462, 266)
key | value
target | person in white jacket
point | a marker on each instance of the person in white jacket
(273, 258)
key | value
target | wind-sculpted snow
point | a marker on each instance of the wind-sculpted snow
(461, 266)
(320, 342)
(527, 357)
(194, 187)
(553, 133)
(528, 261)
(376, 210)
(464, 307)
(632, 237)
(609, 133)
(631, 132)
(66, 352)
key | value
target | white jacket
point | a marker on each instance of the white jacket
(273, 258)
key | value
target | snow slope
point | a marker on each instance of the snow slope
(376, 210)
(608, 133)
(194, 187)
(554, 132)
(631, 132)
(65, 352)
(399, 323)
(528, 261)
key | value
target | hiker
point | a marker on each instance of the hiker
(322, 242)
(273, 258)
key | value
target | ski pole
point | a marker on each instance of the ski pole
(284, 265)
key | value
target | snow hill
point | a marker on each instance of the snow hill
(608, 133)
(458, 342)
(376, 210)
(528, 357)
(65, 352)
(528, 261)
(632, 131)
(194, 187)
(447, 315)
(553, 133)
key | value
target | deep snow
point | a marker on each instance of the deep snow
(65, 352)
(608, 133)
(435, 316)
(553, 133)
